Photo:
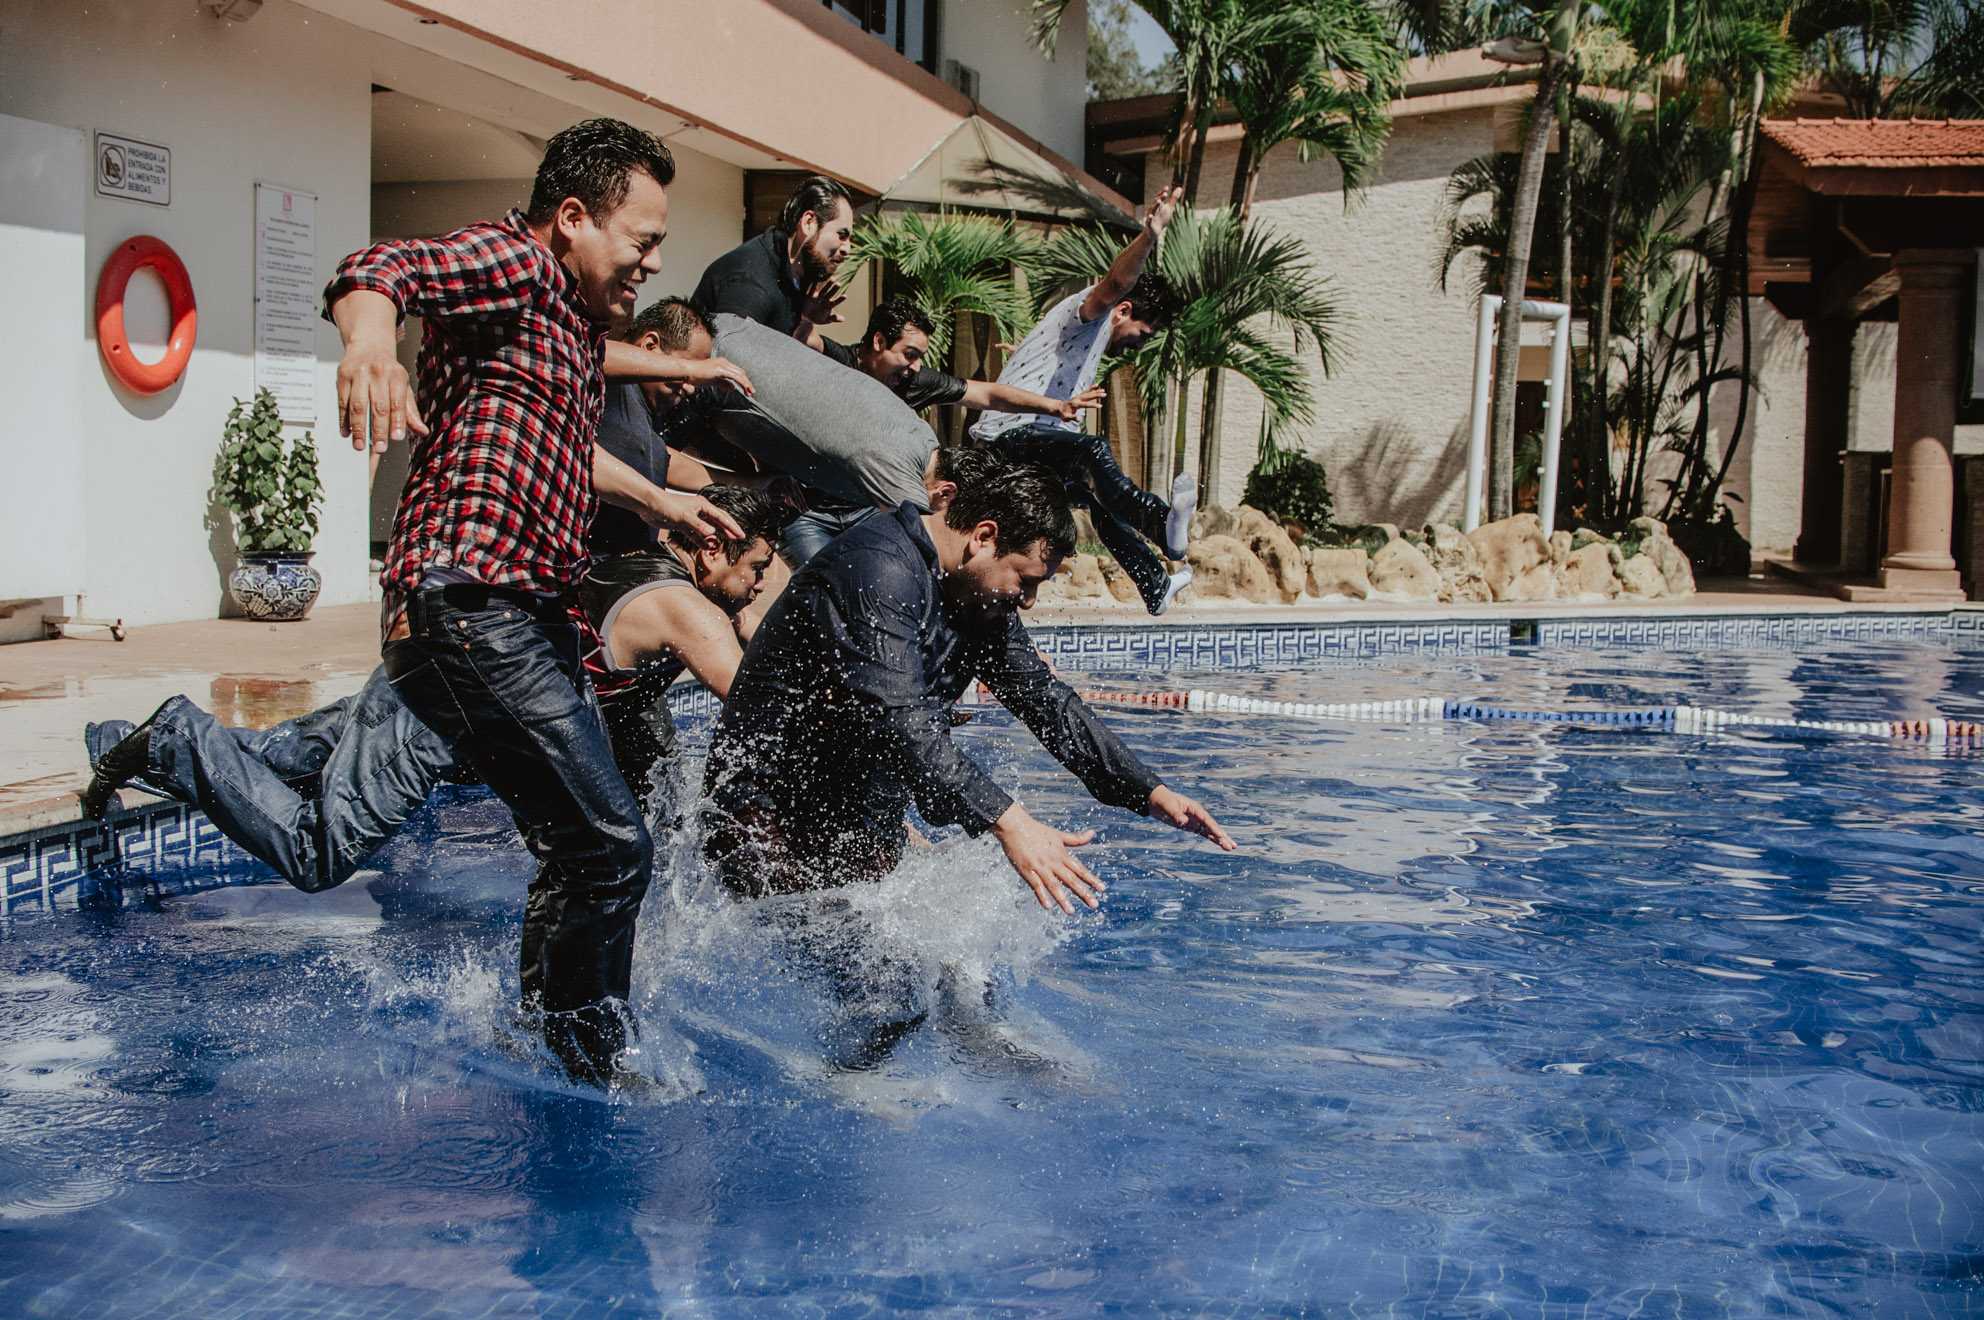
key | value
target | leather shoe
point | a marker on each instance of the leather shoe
(118, 766)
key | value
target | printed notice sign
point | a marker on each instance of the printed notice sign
(286, 300)
(136, 171)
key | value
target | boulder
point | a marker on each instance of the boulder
(1560, 546)
(1119, 583)
(1515, 559)
(1344, 571)
(1452, 555)
(1670, 559)
(1083, 576)
(1224, 568)
(1277, 553)
(1211, 520)
(1639, 576)
(1587, 572)
(1402, 569)
(1085, 529)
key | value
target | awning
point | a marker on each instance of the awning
(979, 166)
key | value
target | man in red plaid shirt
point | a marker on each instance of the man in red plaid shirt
(489, 543)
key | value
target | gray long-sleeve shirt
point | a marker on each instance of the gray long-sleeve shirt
(839, 711)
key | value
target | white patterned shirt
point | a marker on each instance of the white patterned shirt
(1059, 359)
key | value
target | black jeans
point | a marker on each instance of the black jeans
(1126, 517)
(497, 675)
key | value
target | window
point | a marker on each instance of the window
(909, 27)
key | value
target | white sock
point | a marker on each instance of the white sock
(1178, 582)
(1178, 523)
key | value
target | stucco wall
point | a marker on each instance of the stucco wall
(282, 99)
(1042, 96)
(1390, 426)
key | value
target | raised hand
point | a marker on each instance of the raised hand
(821, 303)
(1071, 410)
(1178, 810)
(1039, 852)
(1160, 212)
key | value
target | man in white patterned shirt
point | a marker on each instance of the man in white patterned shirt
(1060, 359)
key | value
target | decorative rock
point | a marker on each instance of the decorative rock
(1277, 553)
(1345, 571)
(1085, 529)
(1119, 583)
(1669, 558)
(1083, 576)
(1403, 570)
(1453, 556)
(1515, 559)
(1211, 520)
(1223, 567)
(1640, 577)
(1560, 546)
(1587, 572)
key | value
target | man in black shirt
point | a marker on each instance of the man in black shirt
(783, 278)
(839, 718)
(895, 350)
(641, 418)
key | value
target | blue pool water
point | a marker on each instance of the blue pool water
(1481, 1021)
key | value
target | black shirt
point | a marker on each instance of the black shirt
(754, 280)
(635, 434)
(838, 715)
(930, 387)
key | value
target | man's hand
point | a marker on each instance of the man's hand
(693, 514)
(1160, 212)
(1071, 409)
(820, 305)
(720, 373)
(375, 398)
(1040, 854)
(1181, 811)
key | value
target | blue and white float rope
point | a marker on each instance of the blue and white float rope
(1668, 719)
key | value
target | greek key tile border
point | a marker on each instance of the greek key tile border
(167, 848)
(1755, 631)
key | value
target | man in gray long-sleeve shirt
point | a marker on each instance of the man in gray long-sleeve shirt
(839, 717)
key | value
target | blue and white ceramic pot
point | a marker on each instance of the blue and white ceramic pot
(277, 585)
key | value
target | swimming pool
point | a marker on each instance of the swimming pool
(1482, 1020)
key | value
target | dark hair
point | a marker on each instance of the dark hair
(1152, 299)
(893, 317)
(592, 162)
(755, 513)
(1028, 502)
(676, 320)
(817, 196)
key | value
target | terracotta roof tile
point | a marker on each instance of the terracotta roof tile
(1881, 143)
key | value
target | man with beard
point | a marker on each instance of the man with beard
(783, 278)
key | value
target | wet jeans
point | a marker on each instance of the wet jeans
(1126, 517)
(496, 673)
(808, 534)
(314, 796)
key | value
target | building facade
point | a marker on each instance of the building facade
(389, 119)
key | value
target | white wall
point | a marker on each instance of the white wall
(1045, 97)
(1768, 472)
(283, 98)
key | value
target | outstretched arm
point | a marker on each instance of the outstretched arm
(619, 484)
(631, 362)
(982, 394)
(1115, 286)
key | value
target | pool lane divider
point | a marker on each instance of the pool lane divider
(1669, 719)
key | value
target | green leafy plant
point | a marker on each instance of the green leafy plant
(1291, 488)
(269, 485)
(948, 264)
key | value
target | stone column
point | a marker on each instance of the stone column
(1921, 494)
(1828, 391)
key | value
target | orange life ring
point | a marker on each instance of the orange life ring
(131, 256)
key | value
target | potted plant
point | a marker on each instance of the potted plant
(269, 485)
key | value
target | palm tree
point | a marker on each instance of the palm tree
(1252, 303)
(1891, 58)
(948, 263)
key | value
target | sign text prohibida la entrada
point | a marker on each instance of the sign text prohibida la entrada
(136, 171)
(286, 300)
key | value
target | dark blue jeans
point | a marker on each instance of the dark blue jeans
(314, 796)
(808, 534)
(497, 675)
(1126, 517)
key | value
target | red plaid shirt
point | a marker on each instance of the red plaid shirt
(512, 385)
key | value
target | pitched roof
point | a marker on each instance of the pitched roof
(1880, 143)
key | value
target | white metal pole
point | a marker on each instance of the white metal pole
(1553, 421)
(1477, 420)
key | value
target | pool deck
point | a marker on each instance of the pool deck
(258, 674)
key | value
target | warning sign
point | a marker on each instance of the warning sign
(136, 171)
